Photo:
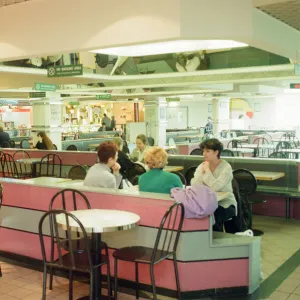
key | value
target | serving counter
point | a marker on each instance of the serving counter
(209, 263)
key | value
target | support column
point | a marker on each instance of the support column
(220, 115)
(47, 117)
(156, 120)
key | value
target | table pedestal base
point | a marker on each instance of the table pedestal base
(103, 297)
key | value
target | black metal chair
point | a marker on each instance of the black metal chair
(150, 141)
(197, 151)
(85, 261)
(278, 155)
(234, 144)
(50, 166)
(171, 151)
(24, 169)
(261, 141)
(135, 172)
(12, 144)
(54, 147)
(247, 186)
(5, 144)
(125, 149)
(24, 144)
(189, 175)
(10, 168)
(182, 178)
(169, 226)
(227, 153)
(71, 148)
(77, 172)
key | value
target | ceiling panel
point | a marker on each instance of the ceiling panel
(287, 12)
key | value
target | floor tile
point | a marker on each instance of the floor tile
(279, 296)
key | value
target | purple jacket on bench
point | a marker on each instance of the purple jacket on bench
(199, 201)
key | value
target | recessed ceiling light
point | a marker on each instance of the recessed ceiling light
(170, 47)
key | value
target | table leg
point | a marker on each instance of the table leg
(287, 208)
(33, 170)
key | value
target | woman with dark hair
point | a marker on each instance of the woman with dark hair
(141, 148)
(105, 174)
(217, 175)
(44, 142)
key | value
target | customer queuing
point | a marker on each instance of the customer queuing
(217, 175)
(106, 120)
(156, 180)
(44, 142)
(105, 173)
(141, 148)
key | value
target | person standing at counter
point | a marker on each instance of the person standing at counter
(4, 137)
(217, 175)
(113, 123)
(44, 142)
(141, 148)
(106, 120)
(105, 174)
(156, 180)
(103, 127)
(209, 126)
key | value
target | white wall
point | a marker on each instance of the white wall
(18, 117)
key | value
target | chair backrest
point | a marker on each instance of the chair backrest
(24, 144)
(69, 199)
(150, 141)
(48, 225)
(182, 178)
(283, 145)
(54, 147)
(190, 174)
(9, 167)
(19, 154)
(246, 180)
(71, 148)
(278, 155)
(172, 142)
(77, 172)
(233, 134)
(125, 149)
(22, 167)
(5, 144)
(169, 230)
(53, 165)
(234, 144)
(227, 153)
(261, 141)
(135, 172)
(197, 151)
(12, 144)
(171, 151)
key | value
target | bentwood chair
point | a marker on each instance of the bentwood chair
(51, 166)
(85, 261)
(197, 151)
(24, 169)
(182, 178)
(77, 172)
(10, 168)
(135, 172)
(227, 153)
(165, 247)
(71, 200)
(278, 155)
(190, 174)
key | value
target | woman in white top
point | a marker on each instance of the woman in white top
(141, 148)
(217, 175)
(105, 174)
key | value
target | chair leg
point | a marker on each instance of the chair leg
(44, 282)
(109, 281)
(153, 281)
(137, 289)
(51, 269)
(116, 278)
(177, 276)
(0, 271)
(70, 285)
(91, 285)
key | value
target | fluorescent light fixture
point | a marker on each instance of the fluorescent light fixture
(170, 47)
(291, 91)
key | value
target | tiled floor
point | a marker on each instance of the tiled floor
(280, 241)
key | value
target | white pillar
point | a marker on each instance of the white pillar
(47, 117)
(156, 120)
(220, 115)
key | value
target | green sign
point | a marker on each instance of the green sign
(103, 97)
(61, 71)
(175, 99)
(295, 86)
(44, 87)
(74, 103)
(37, 95)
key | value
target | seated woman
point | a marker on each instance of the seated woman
(44, 142)
(100, 175)
(217, 175)
(123, 160)
(141, 148)
(156, 180)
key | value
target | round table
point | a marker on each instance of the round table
(98, 221)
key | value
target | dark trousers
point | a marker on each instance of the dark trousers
(223, 214)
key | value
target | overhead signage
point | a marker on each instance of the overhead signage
(295, 86)
(46, 87)
(62, 71)
(74, 103)
(174, 99)
(37, 95)
(103, 97)
(297, 69)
